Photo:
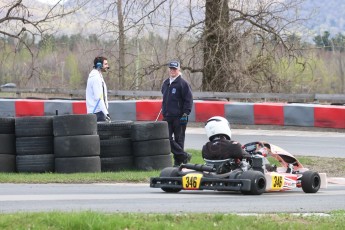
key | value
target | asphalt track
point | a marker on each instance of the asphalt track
(139, 198)
(307, 143)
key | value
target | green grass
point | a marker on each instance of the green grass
(103, 221)
(102, 177)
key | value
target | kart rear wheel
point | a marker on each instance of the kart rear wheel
(170, 172)
(258, 182)
(311, 182)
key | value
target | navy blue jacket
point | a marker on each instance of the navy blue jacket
(177, 98)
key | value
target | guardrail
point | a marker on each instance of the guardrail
(246, 113)
(80, 94)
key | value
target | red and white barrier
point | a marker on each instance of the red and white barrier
(327, 116)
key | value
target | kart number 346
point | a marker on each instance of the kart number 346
(191, 181)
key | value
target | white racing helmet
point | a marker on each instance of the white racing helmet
(217, 125)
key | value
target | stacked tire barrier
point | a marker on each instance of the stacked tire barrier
(115, 145)
(76, 144)
(8, 146)
(151, 145)
(34, 144)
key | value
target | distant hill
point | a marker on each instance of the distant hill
(329, 15)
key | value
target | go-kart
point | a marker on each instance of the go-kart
(250, 176)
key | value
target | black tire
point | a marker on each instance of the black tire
(7, 125)
(142, 131)
(35, 163)
(77, 146)
(311, 182)
(118, 147)
(170, 172)
(76, 124)
(78, 164)
(151, 147)
(113, 164)
(7, 144)
(7, 163)
(153, 162)
(108, 136)
(258, 182)
(114, 129)
(34, 145)
(34, 126)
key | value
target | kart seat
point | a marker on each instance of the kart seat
(216, 163)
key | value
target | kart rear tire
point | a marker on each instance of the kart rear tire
(170, 172)
(311, 182)
(258, 182)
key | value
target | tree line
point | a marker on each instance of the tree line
(225, 46)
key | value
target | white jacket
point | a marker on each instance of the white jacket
(96, 90)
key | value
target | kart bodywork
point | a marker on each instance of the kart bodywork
(253, 175)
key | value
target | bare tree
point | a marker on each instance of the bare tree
(25, 22)
(233, 43)
(242, 39)
(223, 45)
(123, 22)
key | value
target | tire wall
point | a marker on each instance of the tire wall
(76, 144)
(34, 144)
(115, 145)
(151, 145)
(70, 144)
(8, 145)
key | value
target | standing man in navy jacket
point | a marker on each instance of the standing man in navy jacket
(176, 106)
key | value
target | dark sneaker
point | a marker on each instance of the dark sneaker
(187, 158)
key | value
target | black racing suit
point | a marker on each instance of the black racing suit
(177, 100)
(221, 149)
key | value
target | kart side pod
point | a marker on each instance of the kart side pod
(324, 181)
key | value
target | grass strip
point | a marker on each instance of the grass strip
(103, 221)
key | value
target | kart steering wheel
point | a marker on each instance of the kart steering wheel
(252, 147)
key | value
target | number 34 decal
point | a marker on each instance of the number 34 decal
(277, 182)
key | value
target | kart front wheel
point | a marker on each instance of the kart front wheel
(170, 172)
(311, 182)
(258, 182)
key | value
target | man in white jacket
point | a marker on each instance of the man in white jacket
(96, 90)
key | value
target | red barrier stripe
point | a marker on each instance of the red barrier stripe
(29, 108)
(329, 117)
(148, 110)
(79, 107)
(269, 114)
(207, 109)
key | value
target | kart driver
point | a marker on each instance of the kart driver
(220, 146)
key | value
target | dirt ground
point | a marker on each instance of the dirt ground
(334, 167)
